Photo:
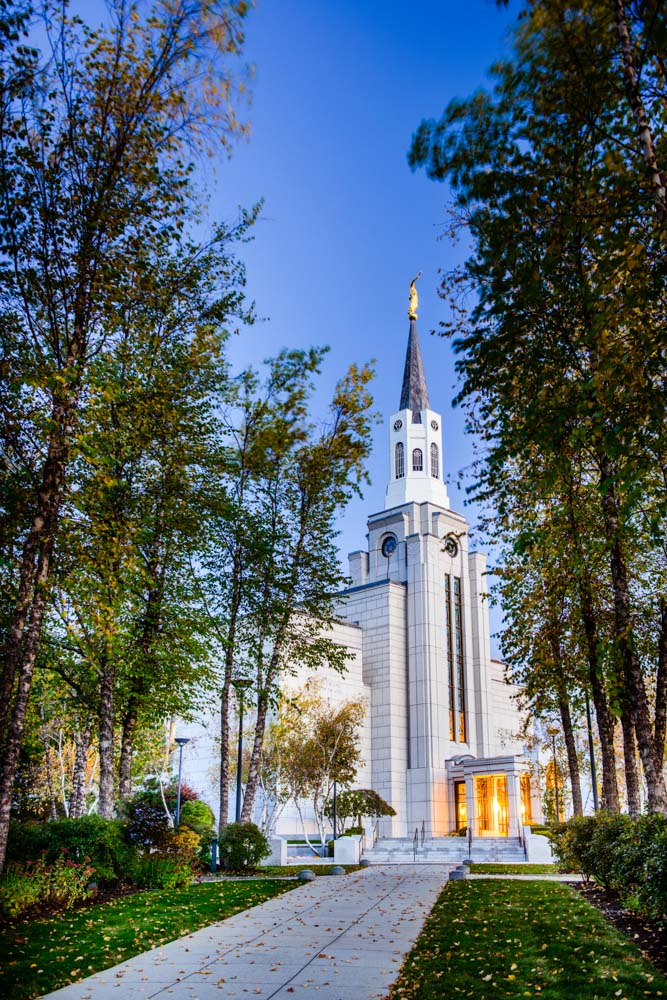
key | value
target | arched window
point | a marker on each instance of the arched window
(417, 460)
(435, 471)
(399, 461)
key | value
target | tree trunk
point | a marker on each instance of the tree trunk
(631, 84)
(255, 758)
(572, 759)
(661, 691)
(223, 817)
(635, 690)
(604, 718)
(77, 802)
(630, 761)
(126, 748)
(28, 617)
(106, 725)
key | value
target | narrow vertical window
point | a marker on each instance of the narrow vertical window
(450, 656)
(417, 460)
(460, 665)
(399, 461)
(435, 471)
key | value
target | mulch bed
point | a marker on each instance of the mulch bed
(649, 938)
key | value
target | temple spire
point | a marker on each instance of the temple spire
(414, 394)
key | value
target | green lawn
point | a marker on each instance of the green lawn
(294, 870)
(487, 939)
(523, 869)
(42, 955)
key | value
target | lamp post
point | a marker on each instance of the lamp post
(181, 740)
(591, 753)
(241, 684)
(335, 817)
(553, 731)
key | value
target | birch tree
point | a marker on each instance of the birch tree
(97, 137)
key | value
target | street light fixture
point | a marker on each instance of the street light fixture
(181, 740)
(241, 684)
(553, 732)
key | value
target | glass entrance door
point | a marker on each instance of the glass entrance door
(492, 807)
(460, 807)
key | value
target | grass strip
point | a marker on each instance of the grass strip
(42, 955)
(487, 939)
(295, 869)
(520, 869)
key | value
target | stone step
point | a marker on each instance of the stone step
(444, 850)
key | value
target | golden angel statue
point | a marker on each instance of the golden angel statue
(414, 298)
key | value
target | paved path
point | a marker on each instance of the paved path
(337, 938)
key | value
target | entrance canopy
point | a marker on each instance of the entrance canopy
(491, 796)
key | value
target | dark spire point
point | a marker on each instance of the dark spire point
(414, 394)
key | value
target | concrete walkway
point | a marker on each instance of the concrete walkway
(337, 938)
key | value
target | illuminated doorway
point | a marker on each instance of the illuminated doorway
(460, 807)
(526, 807)
(492, 807)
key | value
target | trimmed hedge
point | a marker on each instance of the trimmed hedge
(242, 846)
(620, 853)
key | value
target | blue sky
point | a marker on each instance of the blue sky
(339, 88)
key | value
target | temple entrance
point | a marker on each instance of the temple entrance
(492, 807)
(460, 806)
(526, 806)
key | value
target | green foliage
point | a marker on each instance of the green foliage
(559, 323)
(39, 885)
(198, 815)
(162, 870)
(43, 955)
(242, 846)
(148, 823)
(358, 802)
(628, 855)
(104, 842)
(514, 869)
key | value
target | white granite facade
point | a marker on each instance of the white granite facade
(415, 619)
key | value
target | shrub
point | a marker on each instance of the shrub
(652, 890)
(629, 855)
(162, 871)
(241, 846)
(183, 843)
(103, 841)
(198, 815)
(571, 844)
(38, 884)
(148, 823)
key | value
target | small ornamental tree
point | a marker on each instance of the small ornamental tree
(322, 745)
(356, 803)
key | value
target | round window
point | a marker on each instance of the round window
(398, 424)
(389, 545)
(451, 548)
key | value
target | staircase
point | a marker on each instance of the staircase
(446, 850)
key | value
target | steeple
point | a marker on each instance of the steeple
(414, 394)
(415, 434)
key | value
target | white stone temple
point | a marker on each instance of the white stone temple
(440, 739)
(442, 727)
